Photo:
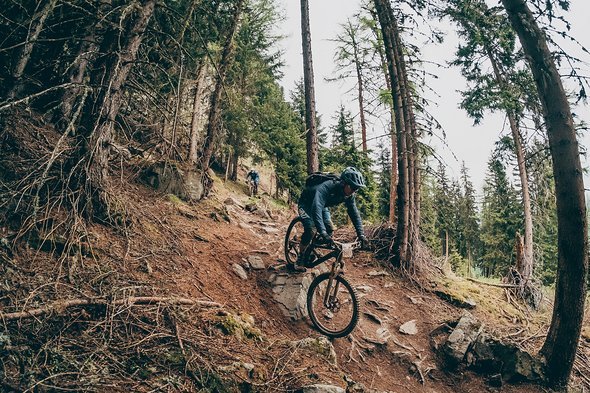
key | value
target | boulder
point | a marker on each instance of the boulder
(290, 291)
(468, 344)
(170, 178)
(491, 356)
(460, 339)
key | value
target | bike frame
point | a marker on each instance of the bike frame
(337, 268)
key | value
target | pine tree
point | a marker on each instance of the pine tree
(501, 220)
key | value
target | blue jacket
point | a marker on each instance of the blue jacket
(254, 175)
(329, 193)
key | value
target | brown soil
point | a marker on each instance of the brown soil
(176, 249)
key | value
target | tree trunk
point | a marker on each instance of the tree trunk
(234, 166)
(572, 235)
(359, 77)
(393, 131)
(35, 28)
(385, 16)
(100, 138)
(214, 124)
(313, 163)
(525, 268)
(195, 128)
(412, 149)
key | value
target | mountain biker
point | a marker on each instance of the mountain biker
(254, 177)
(313, 210)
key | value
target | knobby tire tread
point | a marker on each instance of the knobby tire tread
(355, 310)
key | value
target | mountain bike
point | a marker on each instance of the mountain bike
(252, 188)
(332, 303)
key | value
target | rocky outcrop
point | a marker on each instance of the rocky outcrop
(170, 178)
(469, 345)
(290, 291)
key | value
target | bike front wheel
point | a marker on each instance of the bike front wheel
(332, 306)
(293, 239)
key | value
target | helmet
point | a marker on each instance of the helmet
(353, 177)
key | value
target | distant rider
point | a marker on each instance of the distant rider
(313, 210)
(254, 177)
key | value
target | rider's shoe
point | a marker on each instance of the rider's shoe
(298, 266)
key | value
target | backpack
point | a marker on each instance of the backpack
(318, 178)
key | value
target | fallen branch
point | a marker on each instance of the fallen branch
(59, 307)
(491, 284)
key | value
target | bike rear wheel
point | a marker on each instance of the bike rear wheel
(293, 239)
(335, 315)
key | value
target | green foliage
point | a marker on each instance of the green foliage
(344, 153)
(544, 211)
(498, 77)
(501, 220)
(429, 227)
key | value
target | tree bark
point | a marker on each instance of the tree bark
(393, 131)
(35, 28)
(360, 83)
(412, 142)
(572, 236)
(214, 124)
(98, 141)
(313, 163)
(525, 265)
(195, 128)
(385, 16)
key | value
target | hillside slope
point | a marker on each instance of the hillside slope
(231, 334)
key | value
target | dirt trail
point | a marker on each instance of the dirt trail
(199, 252)
(376, 354)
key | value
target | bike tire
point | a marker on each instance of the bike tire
(315, 319)
(288, 256)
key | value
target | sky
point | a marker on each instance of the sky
(463, 141)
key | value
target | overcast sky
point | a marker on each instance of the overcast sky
(464, 142)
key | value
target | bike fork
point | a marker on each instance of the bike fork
(332, 293)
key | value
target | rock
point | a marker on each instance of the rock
(415, 300)
(251, 207)
(372, 317)
(388, 285)
(256, 262)
(461, 338)
(290, 291)
(321, 345)
(490, 356)
(364, 288)
(409, 328)
(241, 326)
(270, 230)
(230, 201)
(166, 177)
(381, 337)
(239, 270)
(243, 225)
(322, 389)
(376, 273)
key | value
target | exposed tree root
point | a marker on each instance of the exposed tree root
(59, 307)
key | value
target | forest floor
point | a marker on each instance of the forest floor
(236, 331)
